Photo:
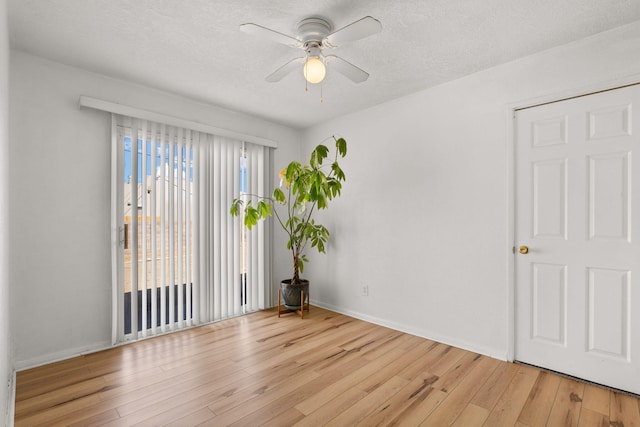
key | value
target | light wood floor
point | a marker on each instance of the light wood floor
(326, 369)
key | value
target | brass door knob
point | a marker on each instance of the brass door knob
(524, 249)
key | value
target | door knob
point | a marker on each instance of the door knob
(524, 249)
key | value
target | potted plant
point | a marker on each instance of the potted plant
(304, 188)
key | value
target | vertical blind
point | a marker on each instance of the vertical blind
(180, 259)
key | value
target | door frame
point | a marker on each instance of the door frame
(510, 250)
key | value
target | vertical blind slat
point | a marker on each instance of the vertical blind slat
(171, 279)
(218, 256)
(143, 224)
(231, 249)
(189, 225)
(179, 224)
(235, 232)
(254, 231)
(261, 242)
(196, 234)
(211, 235)
(134, 231)
(163, 228)
(154, 230)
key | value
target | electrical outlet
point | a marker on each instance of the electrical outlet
(365, 291)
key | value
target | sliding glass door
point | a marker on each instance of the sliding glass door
(180, 259)
(158, 229)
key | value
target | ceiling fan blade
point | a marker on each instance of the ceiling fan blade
(266, 33)
(346, 68)
(278, 74)
(357, 30)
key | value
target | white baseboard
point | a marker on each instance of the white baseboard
(419, 332)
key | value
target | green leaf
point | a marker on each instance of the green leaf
(337, 171)
(235, 207)
(321, 152)
(251, 217)
(313, 160)
(341, 146)
(293, 170)
(278, 196)
(335, 188)
(264, 209)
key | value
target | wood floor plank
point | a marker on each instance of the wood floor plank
(625, 410)
(45, 416)
(287, 418)
(448, 359)
(52, 381)
(424, 405)
(458, 398)
(568, 403)
(349, 381)
(540, 401)
(431, 351)
(192, 419)
(373, 381)
(58, 397)
(490, 392)
(327, 368)
(363, 407)
(472, 416)
(329, 410)
(458, 372)
(589, 418)
(402, 341)
(508, 407)
(392, 408)
(73, 420)
(596, 399)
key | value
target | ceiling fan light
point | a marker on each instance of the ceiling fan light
(314, 70)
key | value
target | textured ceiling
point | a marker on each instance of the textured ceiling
(194, 48)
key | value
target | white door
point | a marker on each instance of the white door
(578, 212)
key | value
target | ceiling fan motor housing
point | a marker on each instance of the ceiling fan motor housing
(313, 30)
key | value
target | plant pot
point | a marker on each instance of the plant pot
(291, 293)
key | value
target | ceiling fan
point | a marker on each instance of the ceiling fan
(314, 35)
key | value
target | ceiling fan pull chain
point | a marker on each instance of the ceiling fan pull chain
(321, 97)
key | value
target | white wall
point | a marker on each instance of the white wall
(60, 163)
(6, 364)
(423, 219)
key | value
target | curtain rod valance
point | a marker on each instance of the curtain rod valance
(125, 110)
